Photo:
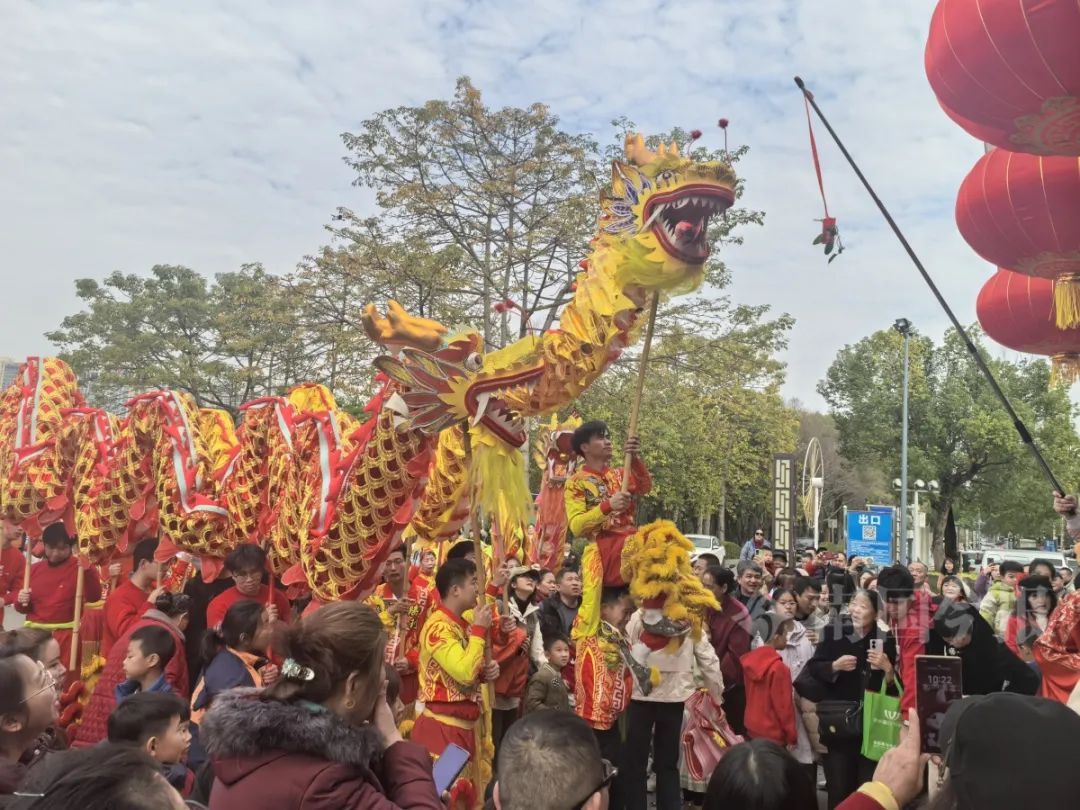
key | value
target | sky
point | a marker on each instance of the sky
(207, 134)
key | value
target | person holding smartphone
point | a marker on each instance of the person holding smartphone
(854, 655)
(323, 736)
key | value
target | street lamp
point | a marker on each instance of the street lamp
(903, 326)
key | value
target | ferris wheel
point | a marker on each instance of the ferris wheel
(813, 484)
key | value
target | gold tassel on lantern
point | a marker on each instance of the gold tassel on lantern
(1067, 300)
(1065, 368)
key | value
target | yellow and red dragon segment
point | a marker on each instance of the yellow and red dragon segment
(444, 507)
(36, 473)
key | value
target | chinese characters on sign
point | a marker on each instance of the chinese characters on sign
(870, 535)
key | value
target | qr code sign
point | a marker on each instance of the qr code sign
(869, 532)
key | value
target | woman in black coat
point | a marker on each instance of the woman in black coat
(843, 668)
(989, 666)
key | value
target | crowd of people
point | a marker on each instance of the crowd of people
(227, 695)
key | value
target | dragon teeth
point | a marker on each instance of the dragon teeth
(481, 407)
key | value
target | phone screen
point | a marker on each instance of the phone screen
(450, 764)
(939, 680)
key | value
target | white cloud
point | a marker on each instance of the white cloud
(207, 133)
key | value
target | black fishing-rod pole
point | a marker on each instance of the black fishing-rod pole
(1018, 423)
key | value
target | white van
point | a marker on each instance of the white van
(1022, 556)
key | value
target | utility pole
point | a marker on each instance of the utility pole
(903, 326)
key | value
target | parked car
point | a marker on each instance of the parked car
(1022, 556)
(706, 542)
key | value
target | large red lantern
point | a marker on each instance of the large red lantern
(1022, 212)
(1017, 311)
(1012, 69)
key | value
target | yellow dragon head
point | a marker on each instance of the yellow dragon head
(657, 213)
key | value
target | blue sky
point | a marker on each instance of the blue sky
(207, 134)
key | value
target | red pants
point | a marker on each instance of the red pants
(434, 734)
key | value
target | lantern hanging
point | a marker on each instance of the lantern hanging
(1012, 69)
(1017, 311)
(1022, 212)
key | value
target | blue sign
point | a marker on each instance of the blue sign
(870, 536)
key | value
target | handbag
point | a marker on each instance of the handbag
(706, 736)
(840, 721)
(882, 721)
(809, 687)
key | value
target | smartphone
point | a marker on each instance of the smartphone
(877, 645)
(939, 683)
(449, 766)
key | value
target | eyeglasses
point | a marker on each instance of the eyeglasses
(49, 683)
(759, 534)
(610, 772)
(247, 575)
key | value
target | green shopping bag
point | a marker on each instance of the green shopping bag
(882, 721)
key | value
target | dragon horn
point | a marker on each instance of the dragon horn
(636, 151)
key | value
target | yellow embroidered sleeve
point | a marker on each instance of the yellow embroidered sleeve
(581, 520)
(463, 664)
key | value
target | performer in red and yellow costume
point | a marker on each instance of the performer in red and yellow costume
(596, 507)
(453, 670)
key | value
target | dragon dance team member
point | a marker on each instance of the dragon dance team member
(49, 602)
(596, 507)
(452, 667)
(134, 596)
(603, 683)
(422, 576)
(12, 565)
(246, 564)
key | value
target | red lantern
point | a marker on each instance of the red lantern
(1011, 68)
(1017, 311)
(1022, 212)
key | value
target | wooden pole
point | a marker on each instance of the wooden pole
(73, 659)
(478, 552)
(29, 561)
(635, 407)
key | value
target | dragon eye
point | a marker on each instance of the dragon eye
(474, 362)
(666, 176)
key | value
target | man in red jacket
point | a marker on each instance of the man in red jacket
(246, 565)
(134, 596)
(908, 613)
(770, 701)
(49, 602)
(12, 566)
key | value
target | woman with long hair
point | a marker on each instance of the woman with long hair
(323, 736)
(234, 655)
(1037, 601)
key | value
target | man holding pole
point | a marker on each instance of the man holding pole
(600, 500)
(54, 600)
(12, 566)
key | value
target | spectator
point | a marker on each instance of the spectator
(234, 656)
(1037, 601)
(702, 561)
(760, 775)
(157, 723)
(806, 558)
(907, 612)
(107, 777)
(1041, 568)
(134, 596)
(987, 577)
(525, 611)
(246, 565)
(39, 645)
(952, 589)
(750, 578)
(784, 581)
(149, 652)
(657, 717)
(807, 593)
(547, 689)
(393, 694)
(729, 633)
(841, 587)
(545, 587)
(752, 547)
(200, 594)
(844, 666)
(171, 612)
(323, 736)
(559, 610)
(948, 568)
(989, 666)
(796, 653)
(983, 773)
(770, 705)
(27, 709)
(1066, 575)
(1000, 600)
(551, 761)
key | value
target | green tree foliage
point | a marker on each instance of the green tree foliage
(958, 433)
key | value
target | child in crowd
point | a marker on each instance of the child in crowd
(150, 649)
(770, 707)
(1000, 601)
(393, 694)
(156, 722)
(547, 689)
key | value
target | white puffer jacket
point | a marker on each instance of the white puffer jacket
(677, 669)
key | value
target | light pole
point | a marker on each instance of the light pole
(903, 326)
(930, 488)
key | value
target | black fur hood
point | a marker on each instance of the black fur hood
(240, 725)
